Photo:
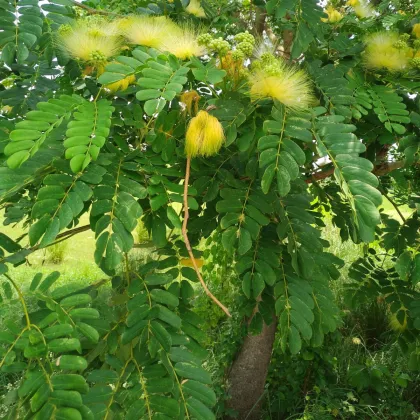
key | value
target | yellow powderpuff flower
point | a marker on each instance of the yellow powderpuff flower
(187, 262)
(382, 40)
(288, 85)
(364, 10)
(184, 44)
(121, 84)
(123, 24)
(380, 52)
(356, 340)
(194, 8)
(149, 31)
(89, 40)
(416, 30)
(204, 135)
(352, 3)
(334, 15)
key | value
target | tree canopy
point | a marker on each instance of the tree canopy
(235, 122)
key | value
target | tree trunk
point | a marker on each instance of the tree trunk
(248, 374)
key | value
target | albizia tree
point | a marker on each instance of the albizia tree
(239, 123)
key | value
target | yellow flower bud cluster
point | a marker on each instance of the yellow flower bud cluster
(334, 15)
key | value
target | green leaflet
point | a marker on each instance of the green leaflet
(155, 329)
(352, 172)
(294, 306)
(390, 109)
(87, 134)
(279, 154)
(30, 134)
(58, 203)
(160, 81)
(115, 213)
(336, 89)
(243, 219)
(19, 37)
(258, 269)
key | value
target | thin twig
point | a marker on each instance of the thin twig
(394, 204)
(21, 298)
(188, 245)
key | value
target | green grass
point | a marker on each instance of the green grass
(78, 260)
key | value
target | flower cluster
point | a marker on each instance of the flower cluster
(416, 30)
(220, 46)
(183, 44)
(149, 31)
(384, 50)
(272, 78)
(97, 40)
(245, 43)
(190, 100)
(91, 40)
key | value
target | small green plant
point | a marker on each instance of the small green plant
(55, 254)
(143, 235)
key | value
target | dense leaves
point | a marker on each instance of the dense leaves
(104, 137)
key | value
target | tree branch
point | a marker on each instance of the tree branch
(381, 169)
(188, 245)
(394, 204)
(61, 237)
(91, 10)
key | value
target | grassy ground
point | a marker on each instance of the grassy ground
(77, 263)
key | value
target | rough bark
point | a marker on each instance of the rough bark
(248, 374)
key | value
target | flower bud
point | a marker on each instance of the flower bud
(190, 99)
(204, 136)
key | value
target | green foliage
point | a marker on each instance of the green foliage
(104, 140)
(30, 134)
